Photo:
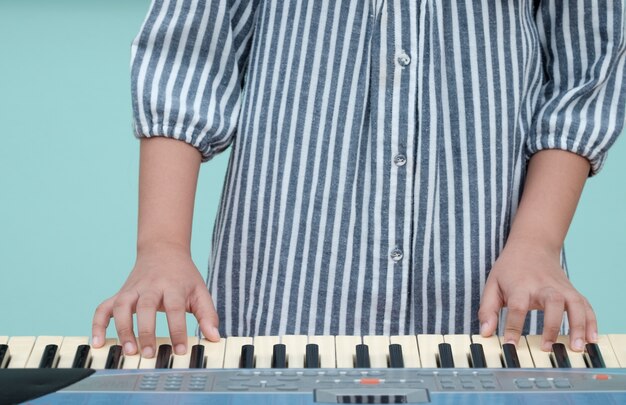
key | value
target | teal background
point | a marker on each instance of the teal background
(69, 167)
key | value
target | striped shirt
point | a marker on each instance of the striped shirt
(378, 147)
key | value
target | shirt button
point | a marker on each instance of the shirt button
(404, 59)
(399, 160)
(396, 255)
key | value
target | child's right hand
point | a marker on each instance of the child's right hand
(164, 279)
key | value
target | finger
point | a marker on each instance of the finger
(123, 314)
(203, 309)
(174, 304)
(146, 322)
(489, 311)
(592, 324)
(577, 317)
(101, 319)
(553, 306)
(517, 308)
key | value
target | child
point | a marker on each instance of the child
(397, 167)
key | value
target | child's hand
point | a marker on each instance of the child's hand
(163, 279)
(527, 277)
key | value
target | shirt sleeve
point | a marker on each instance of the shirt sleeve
(581, 104)
(188, 65)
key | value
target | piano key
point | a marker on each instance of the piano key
(312, 356)
(362, 358)
(345, 350)
(541, 359)
(39, 347)
(20, 348)
(491, 350)
(524, 355)
(428, 348)
(164, 356)
(4, 355)
(4, 340)
(232, 351)
(196, 359)
(295, 349)
(460, 346)
(180, 361)
(50, 357)
(214, 353)
(279, 356)
(608, 354)
(326, 346)
(247, 356)
(594, 356)
(396, 360)
(478, 356)
(446, 358)
(99, 355)
(67, 350)
(150, 363)
(559, 356)
(114, 358)
(82, 357)
(577, 359)
(618, 343)
(264, 350)
(410, 351)
(378, 350)
(509, 353)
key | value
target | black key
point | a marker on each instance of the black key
(81, 358)
(509, 353)
(49, 357)
(164, 357)
(197, 357)
(362, 356)
(247, 356)
(279, 356)
(114, 358)
(4, 355)
(478, 356)
(593, 356)
(559, 356)
(396, 360)
(445, 356)
(312, 356)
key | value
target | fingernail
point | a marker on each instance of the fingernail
(129, 348)
(546, 346)
(483, 327)
(578, 344)
(180, 349)
(147, 352)
(96, 340)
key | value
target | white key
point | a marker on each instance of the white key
(460, 349)
(296, 349)
(39, 347)
(263, 350)
(67, 351)
(146, 363)
(99, 356)
(20, 348)
(378, 347)
(326, 346)
(608, 354)
(345, 350)
(524, 354)
(182, 360)
(618, 342)
(429, 349)
(410, 352)
(541, 359)
(4, 340)
(214, 352)
(232, 353)
(576, 359)
(491, 348)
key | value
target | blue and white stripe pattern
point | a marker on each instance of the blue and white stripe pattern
(379, 147)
